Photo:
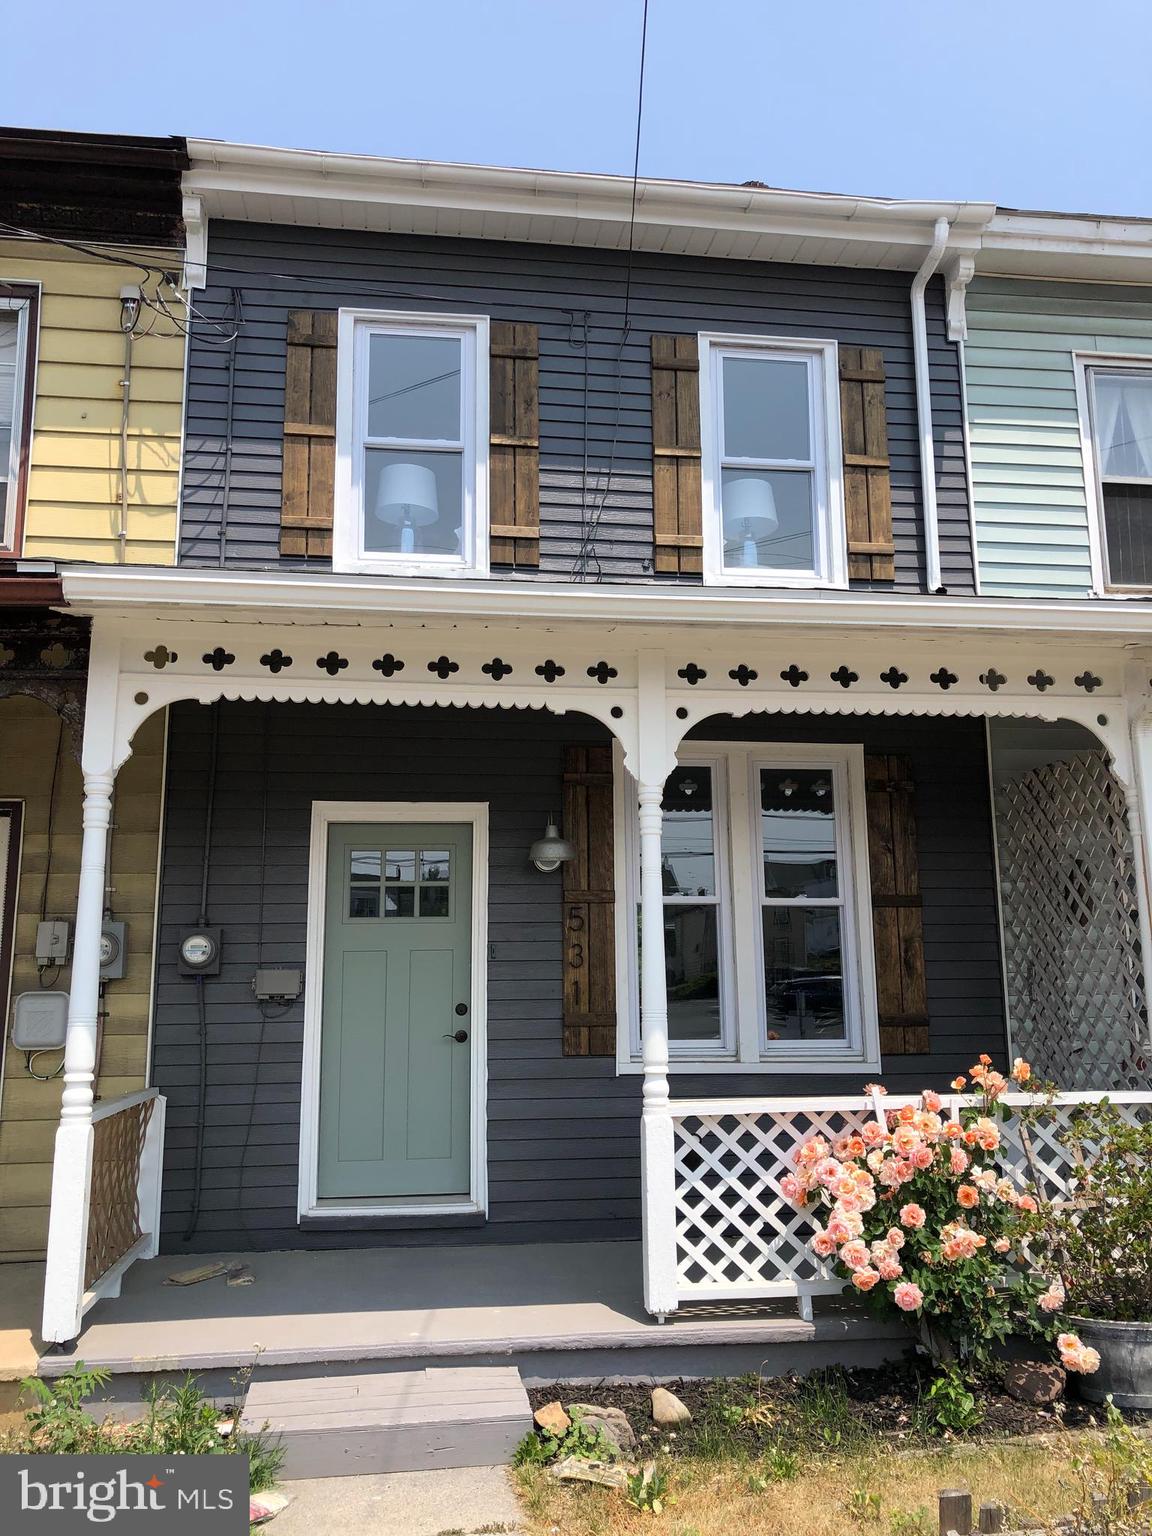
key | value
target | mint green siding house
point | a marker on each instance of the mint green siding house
(1044, 358)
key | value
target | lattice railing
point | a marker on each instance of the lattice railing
(114, 1200)
(734, 1233)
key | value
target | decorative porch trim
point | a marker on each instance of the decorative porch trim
(327, 813)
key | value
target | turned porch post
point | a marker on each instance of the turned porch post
(72, 1157)
(658, 1193)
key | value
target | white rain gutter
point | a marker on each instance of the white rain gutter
(924, 403)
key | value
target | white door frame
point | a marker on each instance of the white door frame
(327, 813)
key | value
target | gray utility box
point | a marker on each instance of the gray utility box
(39, 1021)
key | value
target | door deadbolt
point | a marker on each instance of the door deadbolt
(461, 1009)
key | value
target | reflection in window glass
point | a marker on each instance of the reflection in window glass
(692, 964)
(414, 387)
(364, 882)
(798, 832)
(766, 412)
(1122, 421)
(803, 983)
(400, 866)
(399, 900)
(433, 901)
(434, 864)
(687, 834)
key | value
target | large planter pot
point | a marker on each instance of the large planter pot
(1125, 1371)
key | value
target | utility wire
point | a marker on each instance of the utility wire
(587, 543)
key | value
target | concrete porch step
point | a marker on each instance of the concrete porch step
(392, 1421)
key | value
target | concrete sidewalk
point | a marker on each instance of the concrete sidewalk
(463, 1500)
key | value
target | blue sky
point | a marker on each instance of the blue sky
(1031, 103)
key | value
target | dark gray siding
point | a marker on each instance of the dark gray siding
(596, 487)
(563, 1132)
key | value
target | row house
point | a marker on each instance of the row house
(625, 683)
(91, 419)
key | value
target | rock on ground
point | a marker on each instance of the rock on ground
(1034, 1381)
(552, 1419)
(612, 1422)
(667, 1409)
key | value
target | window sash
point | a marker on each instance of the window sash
(829, 564)
(355, 443)
(1094, 373)
(741, 900)
(21, 405)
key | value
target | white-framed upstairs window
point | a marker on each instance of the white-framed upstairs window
(411, 444)
(1116, 397)
(767, 918)
(15, 412)
(772, 481)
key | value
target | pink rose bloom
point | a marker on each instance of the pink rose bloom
(905, 1139)
(1002, 1245)
(932, 1101)
(1053, 1298)
(875, 1159)
(872, 1134)
(913, 1216)
(908, 1296)
(894, 1237)
(828, 1170)
(854, 1254)
(890, 1268)
(890, 1175)
(968, 1196)
(959, 1161)
(865, 1279)
(790, 1187)
(904, 1170)
(1021, 1071)
(823, 1245)
(875, 1088)
(1068, 1341)
(922, 1157)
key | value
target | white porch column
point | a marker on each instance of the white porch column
(1139, 825)
(72, 1161)
(657, 1142)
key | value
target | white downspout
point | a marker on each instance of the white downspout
(924, 403)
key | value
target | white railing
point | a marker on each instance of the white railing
(716, 1226)
(105, 1207)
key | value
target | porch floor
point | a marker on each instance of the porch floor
(563, 1300)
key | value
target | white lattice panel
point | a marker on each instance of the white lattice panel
(737, 1235)
(1076, 988)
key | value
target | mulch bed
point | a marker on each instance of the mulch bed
(883, 1402)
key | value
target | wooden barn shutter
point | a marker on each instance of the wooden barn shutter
(676, 506)
(514, 464)
(867, 481)
(589, 905)
(309, 434)
(896, 905)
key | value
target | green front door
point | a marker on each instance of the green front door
(395, 1094)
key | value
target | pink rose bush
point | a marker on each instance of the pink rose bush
(916, 1212)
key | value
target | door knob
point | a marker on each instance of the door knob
(460, 1036)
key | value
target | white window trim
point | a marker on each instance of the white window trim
(348, 553)
(1084, 363)
(830, 538)
(746, 1047)
(327, 813)
(22, 406)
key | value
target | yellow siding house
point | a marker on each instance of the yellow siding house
(92, 357)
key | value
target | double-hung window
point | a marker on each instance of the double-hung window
(772, 485)
(767, 928)
(1120, 405)
(15, 411)
(412, 432)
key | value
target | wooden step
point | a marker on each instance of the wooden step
(392, 1421)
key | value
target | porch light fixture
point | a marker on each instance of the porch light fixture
(551, 850)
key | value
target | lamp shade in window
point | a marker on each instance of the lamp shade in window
(406, 496)
(750, 513)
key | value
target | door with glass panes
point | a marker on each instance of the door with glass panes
(395, 1046)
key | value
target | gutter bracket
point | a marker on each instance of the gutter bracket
(195, 243)
(957, 275)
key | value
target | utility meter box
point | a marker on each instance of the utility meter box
(52, 940)
(39, 1021)
(113, 943)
